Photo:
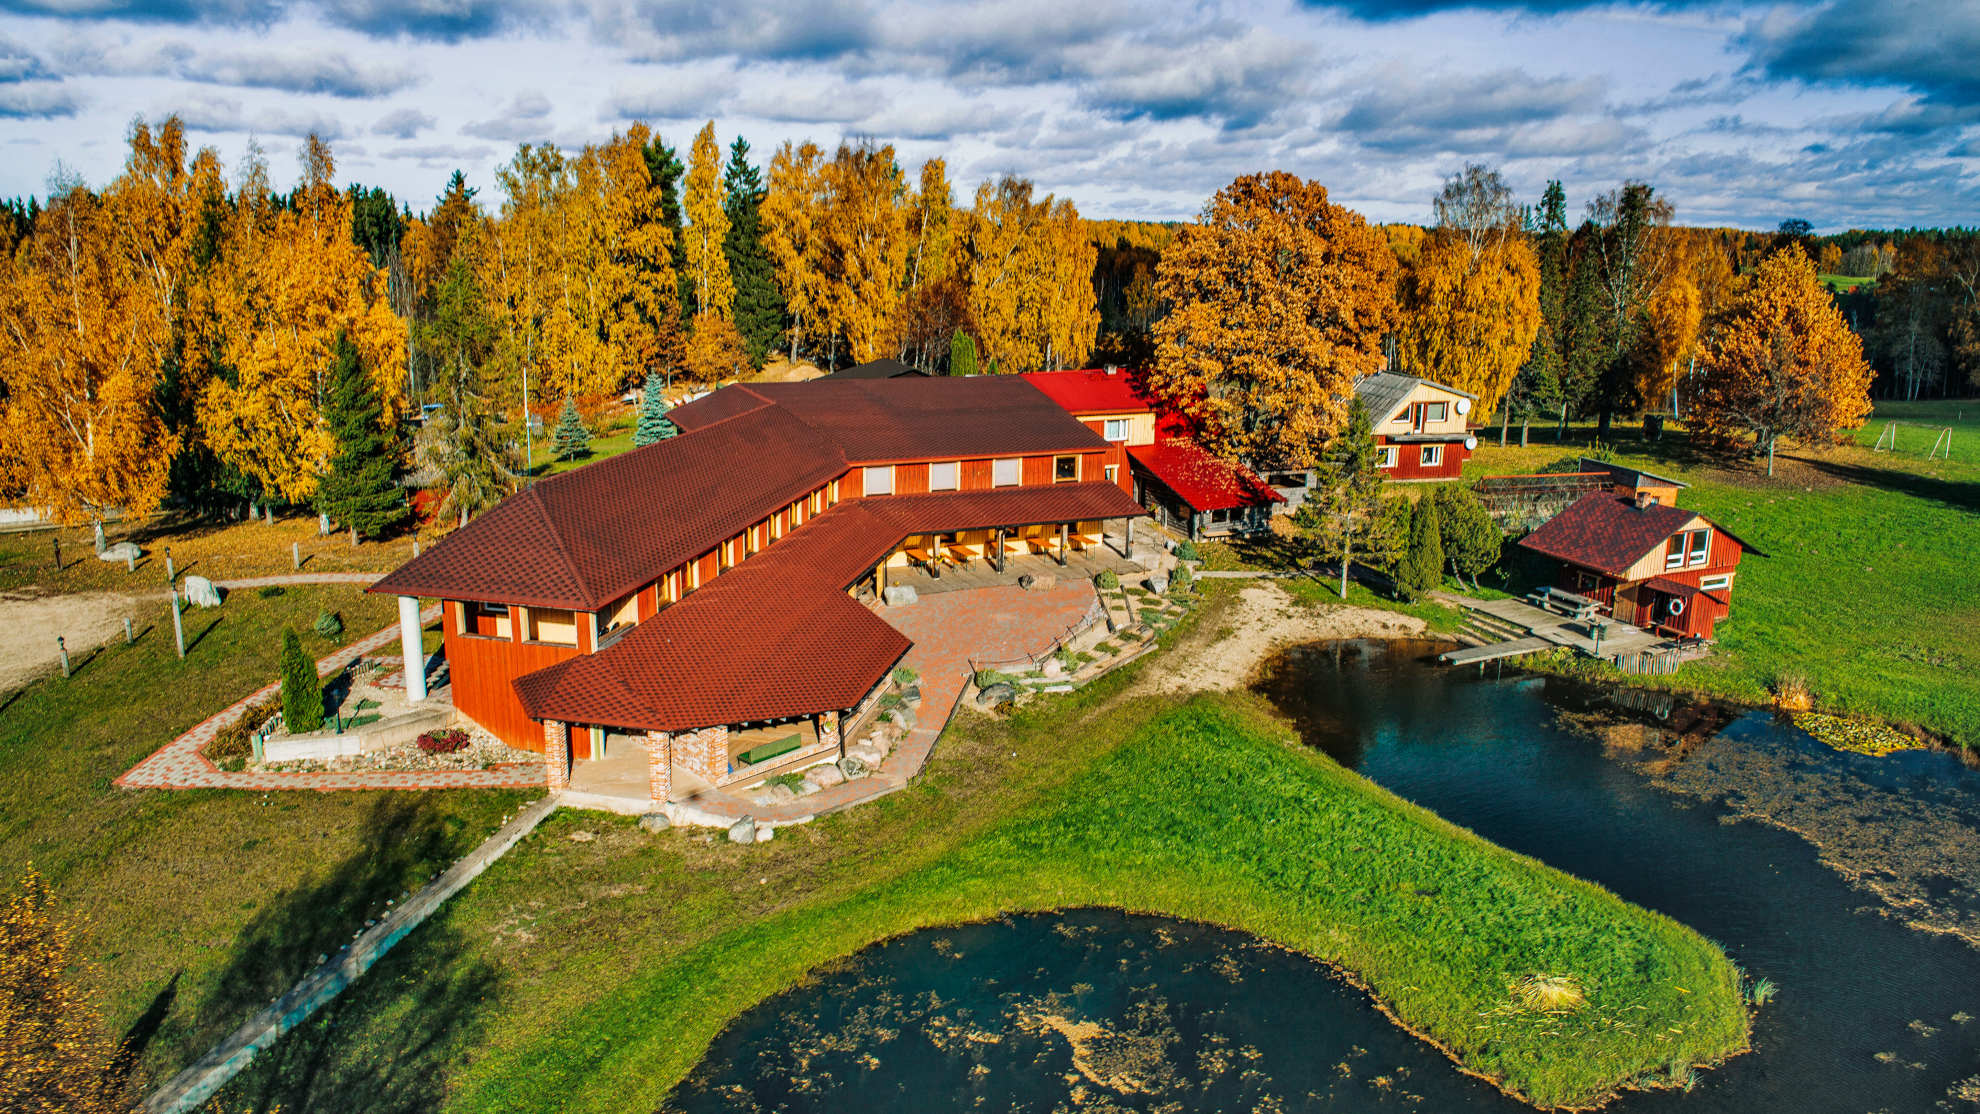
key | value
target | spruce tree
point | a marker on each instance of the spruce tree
(1422, 566)
(572, 439)
(1343, 514)
(654, 425)
(361, 491)
(759, 304)
(1471, 541)
(665, 167)
(302, 692)
(962, 354)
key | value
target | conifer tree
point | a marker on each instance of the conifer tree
(361, 490)
(664, 166)
(1471, 540)
(572, 438)
(1422, 566)
(654, 425)
(759, 305)
(302, 692)
(1343, 515)
(962, 354)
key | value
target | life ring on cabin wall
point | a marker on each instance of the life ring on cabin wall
(1676, 606)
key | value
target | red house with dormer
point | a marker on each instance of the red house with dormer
(1651, 563)
(1421, 428)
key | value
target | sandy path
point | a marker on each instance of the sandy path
(1228, 649)
(84, 620)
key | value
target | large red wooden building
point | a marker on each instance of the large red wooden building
(700, 592)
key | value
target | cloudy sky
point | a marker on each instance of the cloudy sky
(1851, 113)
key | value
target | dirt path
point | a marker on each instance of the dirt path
(84, 620)
(1229, 646)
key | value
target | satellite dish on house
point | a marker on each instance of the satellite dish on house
(1463, 407)
(1677, 607)
(1470, 442)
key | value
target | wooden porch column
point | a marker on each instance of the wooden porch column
(1065, 534)
(880, 575)
(1127, 543)
(1000, 550)
(659, 765)
(557, 755)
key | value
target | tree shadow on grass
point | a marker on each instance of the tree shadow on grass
(407, 840)
(1960, 496)
(196, 639)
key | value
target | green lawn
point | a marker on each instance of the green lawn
(1919, 424)
(1867, 592)
(591, 974)
(200, 907)
(1846, 283)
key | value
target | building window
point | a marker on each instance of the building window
(945, 476)
(1220, 515)
(1006, 473)
(1065, 468)
(879, 480)
(1701, 546)
(1112, 472)
(1715, 583)
(487, 620)
(1435, 412)
(1117, 429)
(624, 614)
(1691, 545)
(1388, 456)
(832, 494)
(1402, 417)
(1433, 455)
(542, 624)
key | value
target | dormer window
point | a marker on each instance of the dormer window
(1688, 548)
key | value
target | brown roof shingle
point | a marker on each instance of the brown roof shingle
(1607, 532)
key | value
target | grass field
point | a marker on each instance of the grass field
(591, 973)
(200, 907)
(1846, 283)
(1868, 591)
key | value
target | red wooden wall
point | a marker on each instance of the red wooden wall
(484, 671)
(1409, 466)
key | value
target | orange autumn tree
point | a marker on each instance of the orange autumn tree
(82, 328)
(291, 279)
(55, 1056)
(864, 250)
(1780, 361)
(1029, 266)
(1470, 301)
(1279, 300)
(708, 226)
(792, 207)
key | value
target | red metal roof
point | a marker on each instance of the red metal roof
(1607, 532)
(1205, 482)
(1093, 391)
(777, 635)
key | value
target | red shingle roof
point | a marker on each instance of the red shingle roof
(777, 635)
(1093, 392)
(1607, 532)
(1205, 482)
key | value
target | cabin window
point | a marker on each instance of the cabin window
(1435, 412)
(487, 620)
(750, 543)
(1065, 468)
(1689, 547)
(1701, 546)
(623, 614)
(832, 494)
(1117, 429)
(551, 625)
(1402, 416)
(725, 558)
(1433, 455)
(1220, 515)
(1715, 583)
(879, 480)
(1389, 454)
(946, 476)
(1006, 473)
(1112, 472)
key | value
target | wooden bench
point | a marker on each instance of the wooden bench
(1579, 608)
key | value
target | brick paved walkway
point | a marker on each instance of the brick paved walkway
(948, 629)
(180, 764)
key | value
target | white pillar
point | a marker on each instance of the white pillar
(412, 646)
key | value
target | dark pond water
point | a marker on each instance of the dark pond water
(1096, 1011)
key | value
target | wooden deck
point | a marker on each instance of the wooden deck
(1080, 565)
(1513, 628)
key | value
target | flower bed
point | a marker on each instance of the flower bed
(445, 741)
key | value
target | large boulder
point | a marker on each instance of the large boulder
(1003, 692)
(897, 595)
(121, 552)
(201, 592)
(912, 695)
(853, 767)
(1052, 667)
(743, 831)
(904, 718)
(655, 822)
(825, 777)
(1158, 584)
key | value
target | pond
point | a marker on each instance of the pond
(1097, 1011)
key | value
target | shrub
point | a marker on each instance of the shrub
(447, 740)
(1792, 694)
(1187, 551)
(987, 677)
(1108, 579)
(236, 740)
(329, 624)
(905, 675)
(1422, 566)
(1181, 581)
(270, 591)
(302, 691)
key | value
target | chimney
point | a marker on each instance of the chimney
(1111, 369)
(1644, 499)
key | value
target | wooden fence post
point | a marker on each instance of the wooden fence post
(128, 638)
(62, 648)
(178, 626)
(171, 575)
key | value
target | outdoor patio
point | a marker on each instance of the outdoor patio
(1083, 564)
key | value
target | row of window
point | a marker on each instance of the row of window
(1424, 412)
(1429, 457)
(1688, 548)
(878, 479)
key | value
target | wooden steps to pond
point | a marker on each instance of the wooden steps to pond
(1496, 629)
(1493, 651)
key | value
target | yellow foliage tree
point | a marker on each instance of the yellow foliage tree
(1781, 361)
(1671, 340)
(715, 349)
(708, 226)
(1030, 271)
(1279, 300)
(82, 327)
(863, 251)
(290, 280)
(1468, 315)
(55, 1057)
(792, 211)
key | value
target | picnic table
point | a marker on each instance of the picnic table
(1561, 602)
(965, 552)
